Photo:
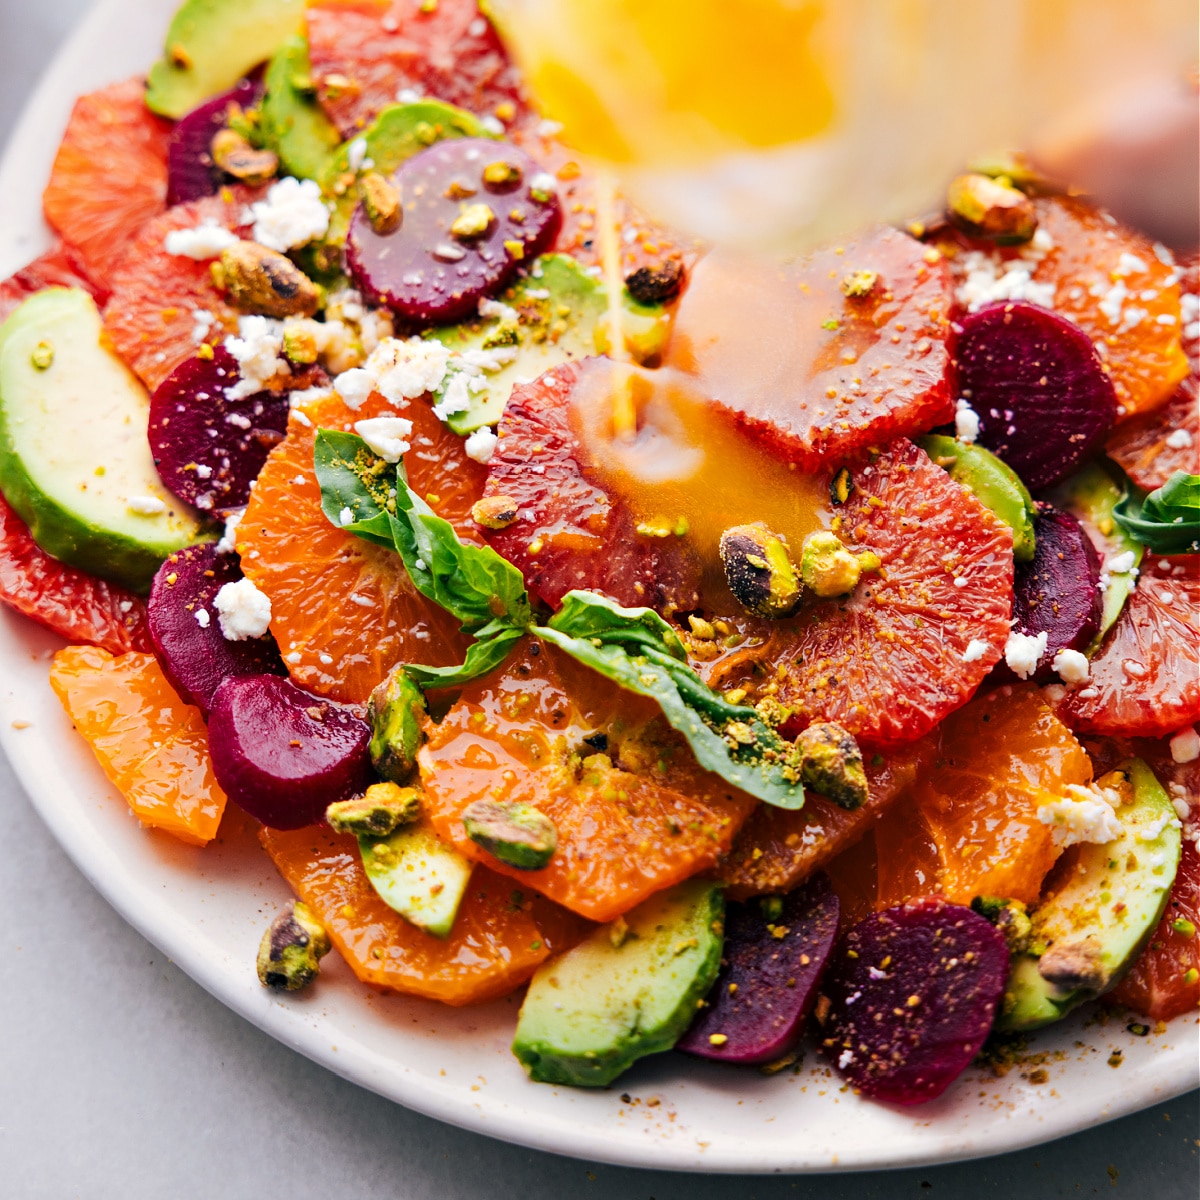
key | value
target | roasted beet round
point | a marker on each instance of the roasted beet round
(912, 991)
(282, 754)
(208, 448)
(1058, 591)
(474, 210)
(191, 172)
(771, 966)
(186, 628)
(1037, 384)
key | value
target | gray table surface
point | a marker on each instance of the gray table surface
(128, 1080)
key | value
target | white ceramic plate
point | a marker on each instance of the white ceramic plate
(206, 909)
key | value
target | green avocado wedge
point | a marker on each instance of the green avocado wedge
(293, 123)
(1096, 922)
(211, 44)
(74, 460)
(994, 483)
(630, 990)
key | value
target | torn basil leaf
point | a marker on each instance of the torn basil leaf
(1167, 521)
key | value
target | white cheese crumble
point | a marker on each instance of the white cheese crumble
(292, 215)
(966, 422)
(1185, 745)
(201, 242)
(228, 542)
(243, 611)
(1023, 652)
(1121, 564)
(1082, 815)
(354, 387)
(257, 348)
(356, 154)
(346, 517)
(202, 618)
(845, 1059)
(492, 124)
(1071, 666)
(1179, 439)
(145, 506)
(385, 436)
(481, 445)
(494, 308)
(988, 280)
(408, 95)
(975, 650)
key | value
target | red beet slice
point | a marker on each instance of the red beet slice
(186, 631)
(208, 448)
(284, 755)
(1058, 591)
(425, 272)
(1039, 388)
(191, 172)
(769, 976)
(912, 991)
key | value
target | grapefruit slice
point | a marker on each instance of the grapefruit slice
(343, 610)
(152, 746)
(634, 813)
(110, 174)
(500, 936)
(1145, 678)
(60, 266)
(65, 599)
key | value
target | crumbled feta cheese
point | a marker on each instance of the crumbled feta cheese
(481, 445)
(354, 386)
(356, 154)
(543, 181)
(975, 650)
(477, 27)
(876, 973)
(547, 128)
(257, 349)
(408, 95)
(1129, 264)
(145, 506)
(1023, 652)
(493, 308)
(1179, 439)
(385, 436)
(966, 422)
(295, 657)
(1181, 806)
(227, 544)
(845, 1059)
(1082, 815)
(243, 611)
(201, 242)
(1071, 666)
(292, 215)
(202, 618)
(346, 517)
(1185, 745)
(983, 282)
(492, 124)
(1121, 564)
(204, 321)
(456, 397)
(307, 396)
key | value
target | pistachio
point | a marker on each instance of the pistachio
(859, 284)
(381, 203)
(258, 280)
(291, 949)
(42, 357)
(501, 174)
(841, 486)
(1011, 167)
(991, 208)
(377, 812)
(234, 155)
(1009, 916)
(515, 833)
(832, 764)
(1075, 965)
(300, 345)
(396, 711)
(828, 568)
(759, 571)
(473, 221)
(656, 285)
(494, 512)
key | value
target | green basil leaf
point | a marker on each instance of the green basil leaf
(594, 616)
(482, 657)
(353, 488)
(1167, 521)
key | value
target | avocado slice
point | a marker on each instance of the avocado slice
(994, 483)
(420, 877)
(1092, 928)
(630, 990)
(1091, 495)
(293, 124)
(560, 314)
(74, 460)
(211, 44)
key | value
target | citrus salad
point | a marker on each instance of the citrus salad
(732, 651)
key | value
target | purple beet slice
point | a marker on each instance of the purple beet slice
(1038, 386)
(186, 630)
(770, 969)
(208, 448)
(191, 172)
(282, 754)
(1058, 591)
(474, 211)
(912, 991)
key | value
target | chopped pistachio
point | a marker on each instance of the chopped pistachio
(1013, 168)
(1009, 916)
(291, 949)
(494, 512)
(515, 833)
(381, 203)
(991, 208)
(841, 486)
(300, 345)
(376, 813)
(234, 155)
(656, 285)
(759, 570)
(772, 908)
(396, 711)
(42, 356)
(832, 764)
(501, 174)
(262, 281)
(858, 284)
(828, 568)
(473, 221)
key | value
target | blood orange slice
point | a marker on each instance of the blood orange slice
(164, 305)
(499, 937)
(58, 267)
(1145, 678)
(633, 811)
(152, 746)
(343, 610)
(65, 599)
(110, 175)
(364, 51)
